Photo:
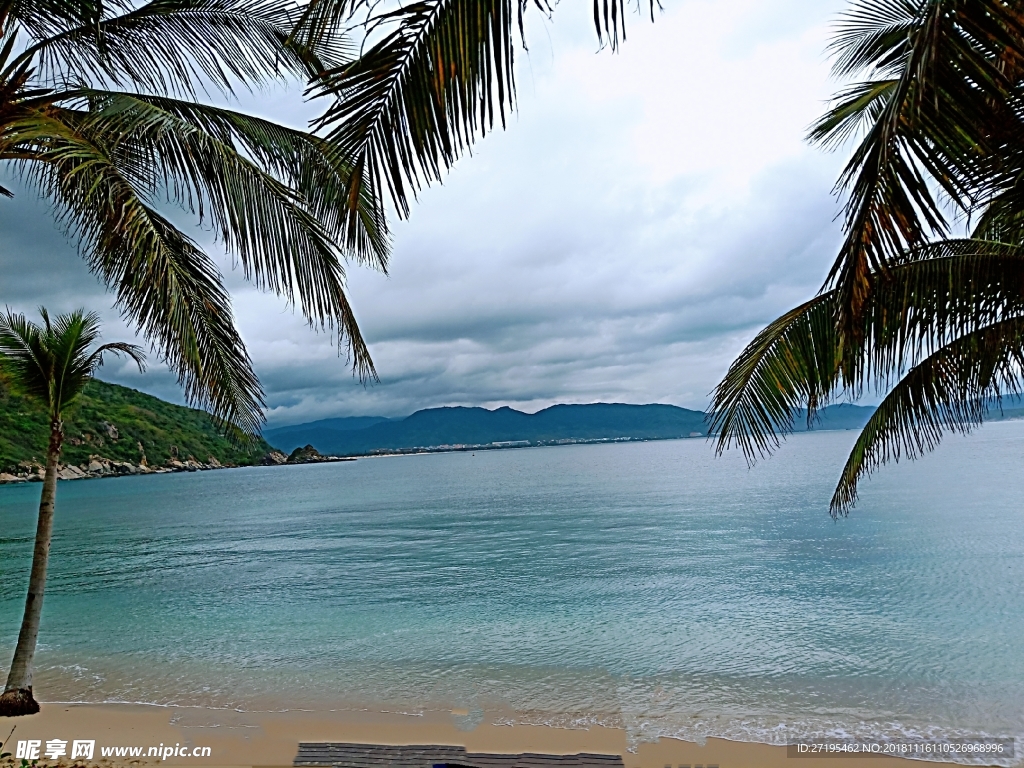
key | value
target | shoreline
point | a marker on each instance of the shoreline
(70, 472)
(115, 469)
(121, 469)
(271, 738)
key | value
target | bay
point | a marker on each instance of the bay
(650, 586)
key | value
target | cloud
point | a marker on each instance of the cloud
(641, 217)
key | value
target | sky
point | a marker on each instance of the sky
(645, 213)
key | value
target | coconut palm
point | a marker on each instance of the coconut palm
(51, 364)
(934, 324)
(100, 111)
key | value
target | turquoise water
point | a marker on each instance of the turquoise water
(649, 586)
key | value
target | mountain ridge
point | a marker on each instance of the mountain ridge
(455, 427)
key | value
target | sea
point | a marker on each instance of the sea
(650, 586)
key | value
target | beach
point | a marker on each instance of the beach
(271, 738)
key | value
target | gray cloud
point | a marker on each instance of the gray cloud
(641, 218)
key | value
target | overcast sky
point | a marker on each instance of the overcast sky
(645, 213)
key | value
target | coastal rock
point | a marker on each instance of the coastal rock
(27, 471)
(273, 459)
(100, 466)
(70, 472)
(310, 455)
(307, 455)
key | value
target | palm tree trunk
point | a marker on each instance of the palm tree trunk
(17, 696)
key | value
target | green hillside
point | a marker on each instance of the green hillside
(113, 421)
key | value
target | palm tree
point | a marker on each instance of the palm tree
(51, 364)
(100, 111)
(934, 323)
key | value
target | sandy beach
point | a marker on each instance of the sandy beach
(272, 738)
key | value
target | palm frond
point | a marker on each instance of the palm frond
(1003, 218)
(118, 348)
(409, 106)
(320, 20)
(67, 339)
(168, 46)
(793, 362)
(164, 283)
(52, 363)
(874, 34)
(246, 177)
(857, 107)
(440, 75)
(610, 19)
(934, 325)
(951, 390)
(46, 18)
(929, 298)
(294, 183)
(24, 357)
(934, 129)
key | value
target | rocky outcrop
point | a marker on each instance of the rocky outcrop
(310, 455)
(98, 466)
(71, 472)
(307, 455)
(273, 459)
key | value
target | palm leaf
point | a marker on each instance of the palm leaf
(928, 299)
(438, 74)
(45, 18)
(935, 128)
(856, 108)
(408, 107)
(792, 362)
(24, 356)
(951, 390)
(52, 363)
(874, 34)
(168, 46)
(296, 182)
(245, 177)
(163, 282)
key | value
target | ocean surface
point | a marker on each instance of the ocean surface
(649, 586)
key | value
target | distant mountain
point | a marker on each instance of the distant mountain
(316, 433)
(448, 428)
